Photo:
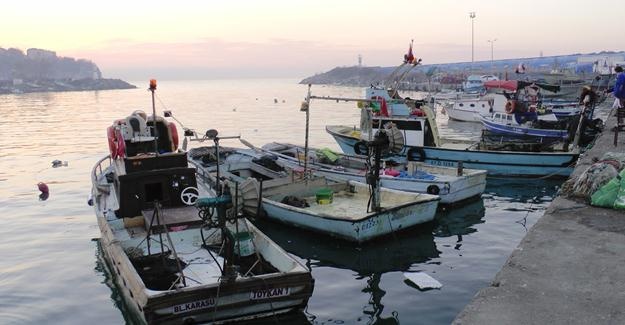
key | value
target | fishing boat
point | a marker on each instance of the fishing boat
(347, 210)
(531, 95)
(177, 257)
(526, 124)
(452, 185)
(469, 109)
(422, 142)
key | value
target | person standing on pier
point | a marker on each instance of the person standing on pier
(619, 87)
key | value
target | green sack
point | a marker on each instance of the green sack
(606, 195)
(328, 154)
(619, 203)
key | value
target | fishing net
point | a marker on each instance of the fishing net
(596, 176)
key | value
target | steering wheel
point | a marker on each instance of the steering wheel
(189, 195)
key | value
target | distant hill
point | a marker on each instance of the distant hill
(573, 64)
(42, 70)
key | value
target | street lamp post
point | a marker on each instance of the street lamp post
(472, 16)
(492, 65)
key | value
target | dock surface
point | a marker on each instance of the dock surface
(569, 268)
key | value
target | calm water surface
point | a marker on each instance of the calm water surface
(50, 271)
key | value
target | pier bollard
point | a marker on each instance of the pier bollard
(460, 168)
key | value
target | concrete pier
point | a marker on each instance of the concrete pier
(569, 268)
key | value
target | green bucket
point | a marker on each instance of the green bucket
(244, 245)
(324, 196)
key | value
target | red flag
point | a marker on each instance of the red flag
(409, 58)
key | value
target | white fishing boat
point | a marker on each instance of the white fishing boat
(451, 184)
(342, 209)
(177, 259)
(469, 109)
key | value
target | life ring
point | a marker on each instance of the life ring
(173, 133)
(433, 189)
(121, 145)
(416, 154)
(510, 106)
(360, 148)
(110, 134)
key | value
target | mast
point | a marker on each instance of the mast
(307, 131)
(152, 89)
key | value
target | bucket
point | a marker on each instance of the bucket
(324, 196)
(244, 245)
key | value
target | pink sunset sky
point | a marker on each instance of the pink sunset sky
(232, 39)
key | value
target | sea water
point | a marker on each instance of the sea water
(50, 267)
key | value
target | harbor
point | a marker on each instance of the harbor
(463, 248)
(567, 269)
(311, 163)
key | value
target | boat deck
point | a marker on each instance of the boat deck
(343, 206)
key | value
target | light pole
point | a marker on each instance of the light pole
(472, 16)
(492, 65)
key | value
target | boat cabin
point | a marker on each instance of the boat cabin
(148, 165)
(408, 115)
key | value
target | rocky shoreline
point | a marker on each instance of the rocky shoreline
(32, 86)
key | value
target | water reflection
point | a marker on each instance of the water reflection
(522, 190)
(370, 261)
(460, 221)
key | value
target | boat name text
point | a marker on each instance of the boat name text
(269, 293)
(194, 305)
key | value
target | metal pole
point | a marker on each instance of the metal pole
(492, 63)
(472, 16)
(306, 138)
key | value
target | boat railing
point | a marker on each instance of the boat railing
(101, 165)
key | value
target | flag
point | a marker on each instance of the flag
(409, 58)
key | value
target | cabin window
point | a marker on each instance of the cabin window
(461, 104)
(153, 192)
(509, 117)
(472, 105)
(483, 105)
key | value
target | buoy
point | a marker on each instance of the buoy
(43, 187)
(45, 191)
(57, 163)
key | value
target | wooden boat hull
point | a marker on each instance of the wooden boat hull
(206, 304)
(504, 163)
(358, 227)
(214, 301)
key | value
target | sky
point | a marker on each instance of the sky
(269, 38)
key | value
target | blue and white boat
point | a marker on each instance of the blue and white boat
(422, 142)
(496, 162)
(525, 124)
